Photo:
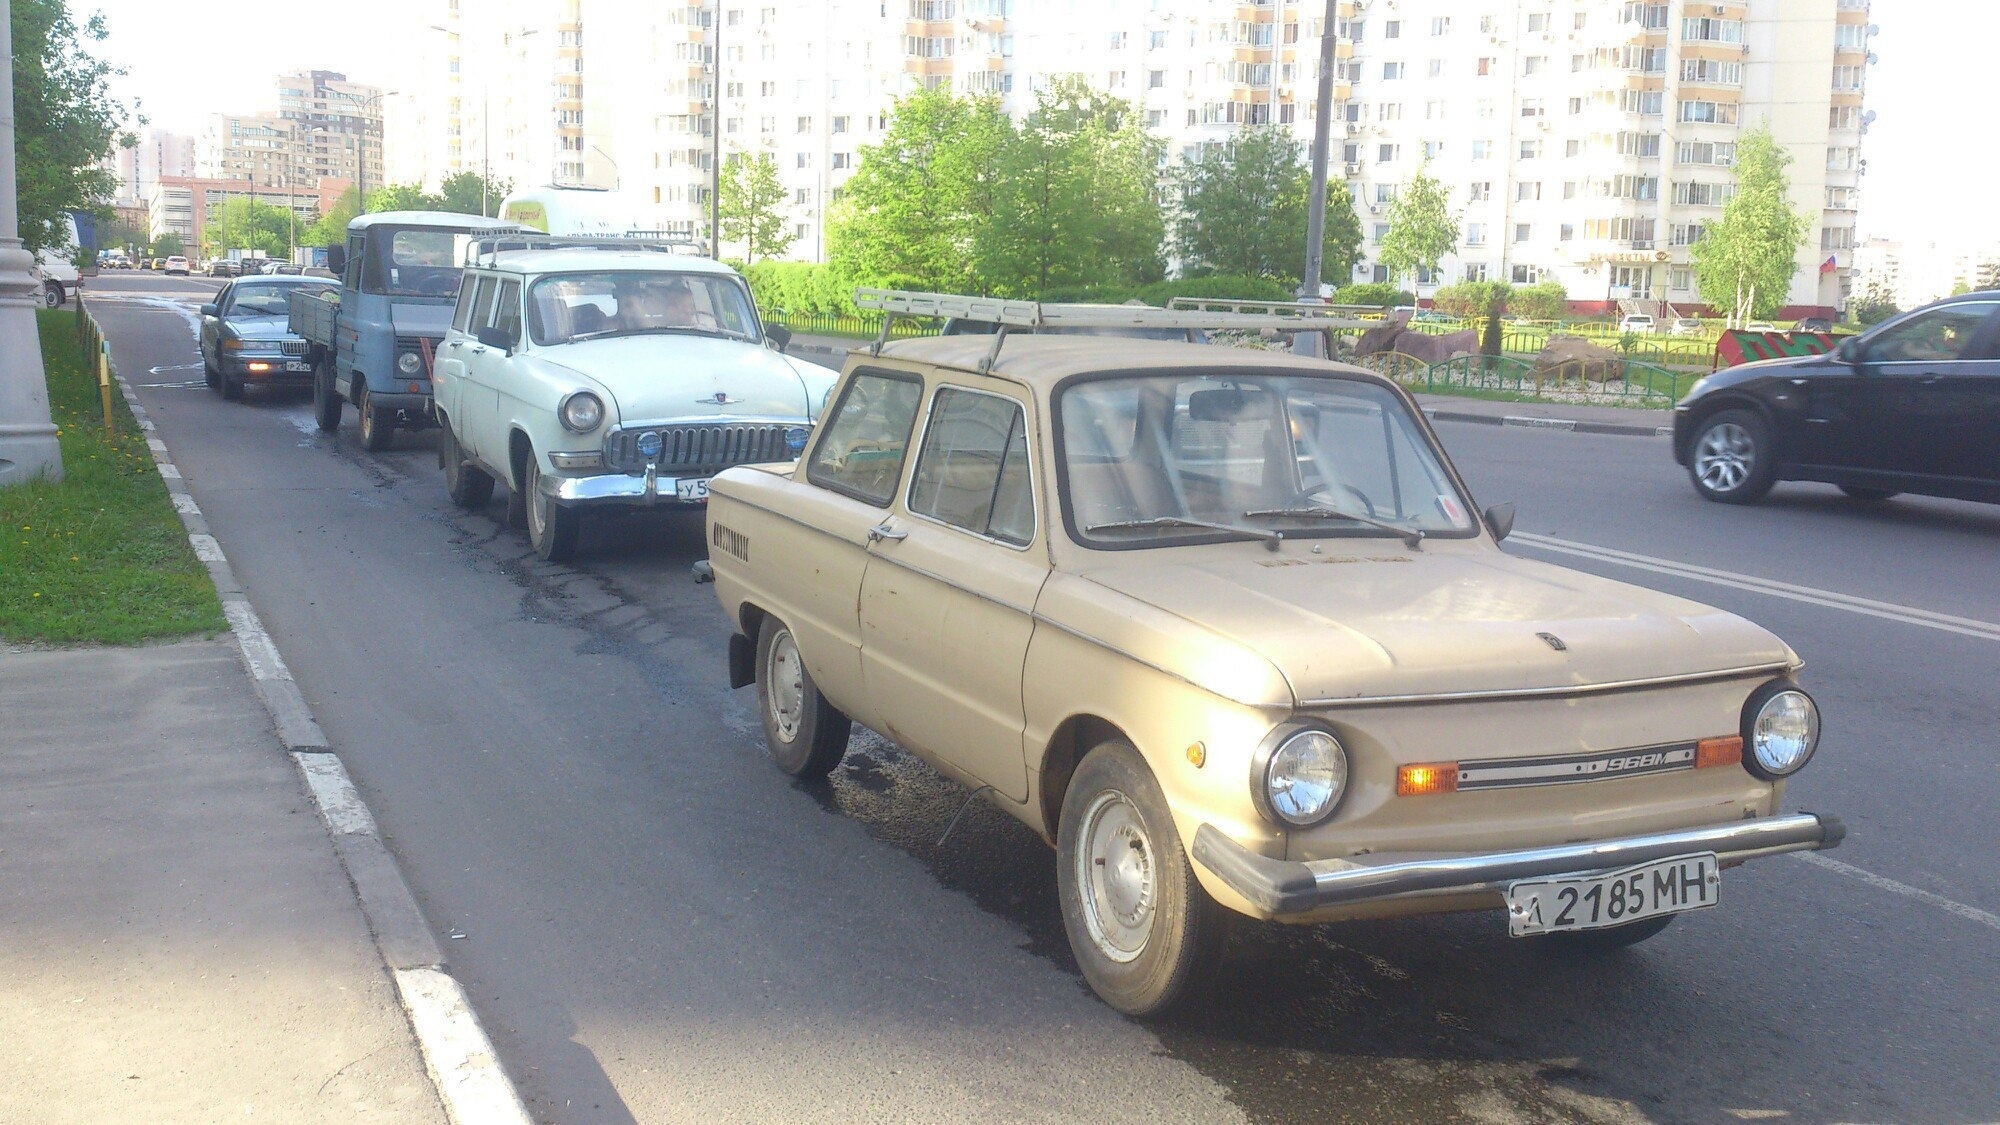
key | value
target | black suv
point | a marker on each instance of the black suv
(1913, 405)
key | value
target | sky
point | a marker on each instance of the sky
(1930, 166)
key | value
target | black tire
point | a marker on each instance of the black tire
(1596, 943)
(806, 734)
(1142, 962)
(1732, 459)
(468, 485)
(52, 295)
(1871, 495)
(327, 402)
(552, 528)
(210, 375)
(232, 387)
(377, 427)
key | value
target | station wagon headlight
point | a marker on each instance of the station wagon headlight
(409, 363)
(581, 412)
(1298, 775)
(1780, 730)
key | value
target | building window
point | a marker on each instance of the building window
(1523, 232)
(1707, 29)
(1389, 111)
(1680, 279)
(1475, 271)
(1436, 68)
(1718, 113)
(1475, 234)
(1480, 192)
(1533, 65)
(1528, 191)
(1526, 275)
(1538, 22)
(1440, 25)
(1391, 71)
(1530, 150)
(1381, 232)
(1391, 29)
(1482, 149)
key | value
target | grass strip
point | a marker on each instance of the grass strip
(101, 557)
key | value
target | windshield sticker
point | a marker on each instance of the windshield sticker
(1449, 506)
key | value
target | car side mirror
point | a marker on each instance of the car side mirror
(779, 335)
(1848, 350)
(1500, 520)
(494, 337)
(336, 259)
(211, 309)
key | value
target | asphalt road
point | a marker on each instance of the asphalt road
(655, 925)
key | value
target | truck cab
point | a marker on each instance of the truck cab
(373, 343)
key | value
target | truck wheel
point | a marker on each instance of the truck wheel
(468, 485)
(552, 528)
(52, 294)
(807, 735)
(1142, 928)
(377, 428)
(326, 400)
(1591, 943)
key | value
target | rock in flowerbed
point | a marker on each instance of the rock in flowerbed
(1573, 357)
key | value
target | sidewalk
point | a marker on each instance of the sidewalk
(177, 939)
(832, 351)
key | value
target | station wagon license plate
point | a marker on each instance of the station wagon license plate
(696, 490)
(297, 365)
(1613, 898)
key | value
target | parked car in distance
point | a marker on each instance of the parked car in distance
(1226, 628)
(245, 339)
(595, 377)
(1760, 326)
(174, 265)
(223, 267)
(1911, 405)
(1636, 322)
(1685, 326)
(1814, 324)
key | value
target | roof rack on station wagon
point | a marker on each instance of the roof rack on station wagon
(482, 249)
(1008, 314)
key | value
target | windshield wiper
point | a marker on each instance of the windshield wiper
(1271, 538)
(1412, 537)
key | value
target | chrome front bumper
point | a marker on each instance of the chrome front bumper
(643, 490)
(1292, 887)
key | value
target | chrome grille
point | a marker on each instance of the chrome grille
(294, 347)
(703, 447)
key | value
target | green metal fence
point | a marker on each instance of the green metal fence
(1631, 381)
(860, 327)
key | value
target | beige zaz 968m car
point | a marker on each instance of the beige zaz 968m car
(1224, 627)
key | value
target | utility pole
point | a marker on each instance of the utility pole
(28, 447)
(715, 142)
(1322, 140)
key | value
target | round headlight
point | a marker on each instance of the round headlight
(581, 412)
(1780, 731)
(409, 363)
(651, 444)
(1301, 779)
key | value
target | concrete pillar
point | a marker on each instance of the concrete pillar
(28, 446)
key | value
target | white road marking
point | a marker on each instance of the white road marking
(206, 548)
(339, 801)
(258, 651)
(1888, 611)
(1883, 883)
(456, 1049)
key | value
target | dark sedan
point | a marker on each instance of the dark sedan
(246, 335)
(1913, 405)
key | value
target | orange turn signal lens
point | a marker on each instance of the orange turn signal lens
(1427, 778)
(1725, 751)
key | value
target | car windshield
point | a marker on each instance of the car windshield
(1152, 460)
(411, 262)
(268, 300)
(566, 308)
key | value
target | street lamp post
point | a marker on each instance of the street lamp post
(715, 142)
(28, 447)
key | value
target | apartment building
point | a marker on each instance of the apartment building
(324, 129)
(158, 154)
(1583, 140)
(186, 205)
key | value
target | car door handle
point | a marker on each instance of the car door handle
(478, 350)
(1929, 379)
(883, 531)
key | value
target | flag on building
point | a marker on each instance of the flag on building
(1829, 265)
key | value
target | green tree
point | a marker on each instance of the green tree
(65, 120)
(406, 197)
(752, 206)
(331, 228)
(168, 245)
(1075, 200)
(459, 193)
(1422, 228)
(245, 224)
(908, 216)
(1744, 261)
(1244, 210)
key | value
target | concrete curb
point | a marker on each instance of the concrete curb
(471, 1084)
(820, 352)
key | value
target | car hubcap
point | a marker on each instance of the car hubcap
(1724, 457)
(785, 686)
(1115, 870)
(537, 514)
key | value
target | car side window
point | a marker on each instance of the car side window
(972, 471)
(482, 303)
(867, 436)
(507, 310)
(1941, 334)
(461, 317)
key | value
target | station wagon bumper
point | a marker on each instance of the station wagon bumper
(1286, 887)
(643, 490)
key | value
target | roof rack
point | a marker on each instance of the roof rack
(1034, 315)
(482, 249)
(1312, 310)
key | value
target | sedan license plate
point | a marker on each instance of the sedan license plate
(1613, 898)
(696, 490)
(297, 365)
